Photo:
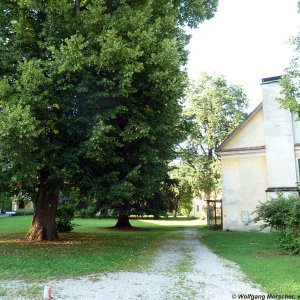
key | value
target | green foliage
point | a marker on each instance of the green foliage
(193, 12)
(5, 203)
(283, 215)
(158, 205)
(185, 193)
(88, 212)
(64, 216)
(89, 94)
(179, 192)
(24, 212)
(173, 197)
(214, 109)
(290, 81)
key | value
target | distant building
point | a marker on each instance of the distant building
(260, 157)
(22, 205)
(198, 210)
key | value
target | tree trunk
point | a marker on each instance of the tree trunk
(176, 207)
(207, 195)
(77, 7)
(43, 226)
(123, 221)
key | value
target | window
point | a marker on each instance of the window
(198, 208)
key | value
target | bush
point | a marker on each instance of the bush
(64, 216)
(282, 214)
(108, 213)
(24, 212)
(5, 203)
(88, 212)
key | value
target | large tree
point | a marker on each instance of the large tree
(89, 98)
(214, 109)
(150, 125)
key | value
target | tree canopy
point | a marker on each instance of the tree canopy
(214, 109)
(89, 96)
(290, 81)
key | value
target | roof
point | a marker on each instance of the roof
(238, 128)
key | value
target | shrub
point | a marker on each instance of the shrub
(64, 216)
(5, 203)
(108, 213)
(88, 212)
(24, 212)
(282, 214)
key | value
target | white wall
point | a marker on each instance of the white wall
(246, 175)
(250, 135)
(279, 139)
(244, 181)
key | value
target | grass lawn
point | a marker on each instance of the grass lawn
(259, 258)
(91, 248)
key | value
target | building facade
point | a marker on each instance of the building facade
(260, 157)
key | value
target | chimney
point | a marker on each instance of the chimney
(279, 138)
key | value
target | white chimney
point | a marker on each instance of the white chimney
(279, 138)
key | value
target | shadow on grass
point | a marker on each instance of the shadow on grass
(95, 246)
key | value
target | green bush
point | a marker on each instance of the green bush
(88, 212)
(282, 214)
(64, 216)
(24, 212)
(5, 203)
(108, 214)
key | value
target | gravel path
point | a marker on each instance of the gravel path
(186, 270)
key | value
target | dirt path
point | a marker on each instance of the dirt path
(186, 270)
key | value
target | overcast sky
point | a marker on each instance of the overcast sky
(245, 41)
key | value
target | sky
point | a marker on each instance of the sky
(245, 41)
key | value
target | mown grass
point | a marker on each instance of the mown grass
(259, 258)
(93, 247)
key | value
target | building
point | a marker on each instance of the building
(261, 156)
(21, 205)
(198, 210)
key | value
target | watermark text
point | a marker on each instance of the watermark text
(265, 297)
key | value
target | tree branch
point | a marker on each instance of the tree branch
(204, 152)
(77, 7)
